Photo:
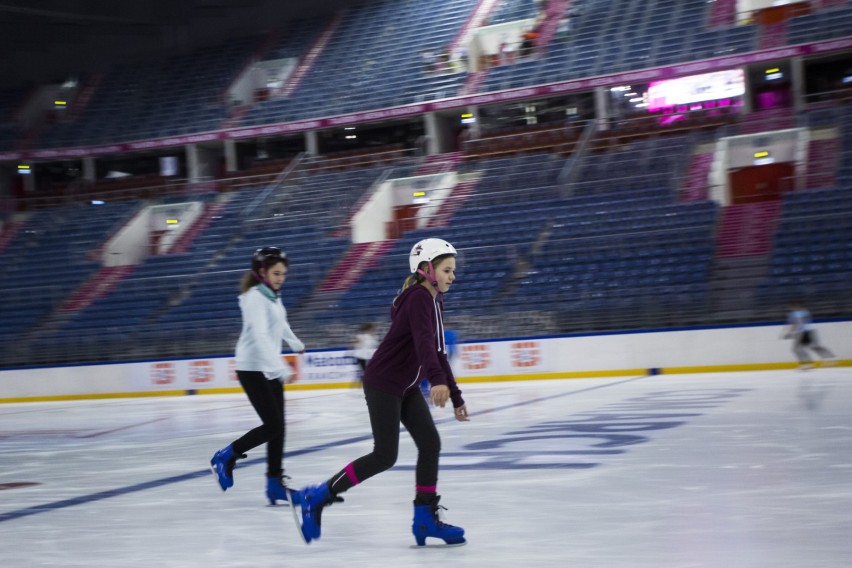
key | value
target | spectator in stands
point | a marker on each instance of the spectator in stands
(507, 51)
(365, 345)
(460, 59)
(443, 65)
(528, 42)
(428, 61)
(563, 29)
(801, 330)
(261, 369)
(413, 347)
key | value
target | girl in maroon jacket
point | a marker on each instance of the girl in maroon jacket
(412, 349)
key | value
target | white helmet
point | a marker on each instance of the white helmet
(427, 250)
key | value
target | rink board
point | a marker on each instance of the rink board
(716, 349)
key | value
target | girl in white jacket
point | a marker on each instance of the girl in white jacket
(261, 369)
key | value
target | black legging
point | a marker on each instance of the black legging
(267, 398)
(809, 340)
(386, 413)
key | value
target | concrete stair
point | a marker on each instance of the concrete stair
(185, 240)
(453, 203)
(97, 286)
(723, 13)
(696, 187)
(359, 258)
(823, 159)
(733, 282)
(310, 57)
(747, 229)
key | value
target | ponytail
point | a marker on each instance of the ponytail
(248, 282)
(411, 280)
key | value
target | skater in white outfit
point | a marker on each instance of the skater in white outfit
(801, 330)
(364, 346)
(261, 370)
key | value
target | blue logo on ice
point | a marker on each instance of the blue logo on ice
(582, 442)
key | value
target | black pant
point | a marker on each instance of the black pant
(386, 413)
(809, 340)
(267, 398)
(362, 365)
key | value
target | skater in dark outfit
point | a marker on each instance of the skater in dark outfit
(413, 348)
(261, 370)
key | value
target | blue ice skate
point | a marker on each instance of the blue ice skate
(428, 524)
(277, 490)
(313, 500)
(222, 466)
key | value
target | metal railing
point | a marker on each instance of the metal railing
(276, 184)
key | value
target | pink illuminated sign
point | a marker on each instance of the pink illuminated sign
(714, 86)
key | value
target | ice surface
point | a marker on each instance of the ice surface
(716, 470)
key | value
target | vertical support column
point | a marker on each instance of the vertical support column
(201, 163)
(30, 181)
(193, 165)
(797, 70)
(231, 164)
(475, 128)
(433, 142)
(312, 143)
(440, 132)
(7, 204)
(747, 106)
(89, 172)
(602, 108)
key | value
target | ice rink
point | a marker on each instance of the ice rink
(723, 470)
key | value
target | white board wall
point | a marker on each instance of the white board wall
(734, 348)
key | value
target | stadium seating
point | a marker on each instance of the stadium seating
(812, 253)
(52, 254)
(603, 234)
(646, 34)
(10, 102)
(375, 59)
(513, 10)
(183, 95)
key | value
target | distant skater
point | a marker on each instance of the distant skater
(801, 330)
(364, 346)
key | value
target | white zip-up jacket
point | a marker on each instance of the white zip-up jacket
(265, 327)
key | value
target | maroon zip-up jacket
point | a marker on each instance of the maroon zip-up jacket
(413, 348)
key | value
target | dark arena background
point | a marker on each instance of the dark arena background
(620, 173)
(636, 188)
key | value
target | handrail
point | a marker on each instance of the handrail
(276, 183)
(569, 171)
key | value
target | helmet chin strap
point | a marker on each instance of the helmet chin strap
(433, 280)
(430, 276)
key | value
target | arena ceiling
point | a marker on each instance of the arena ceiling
(50, 40)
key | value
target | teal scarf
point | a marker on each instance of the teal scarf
(266, 291)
